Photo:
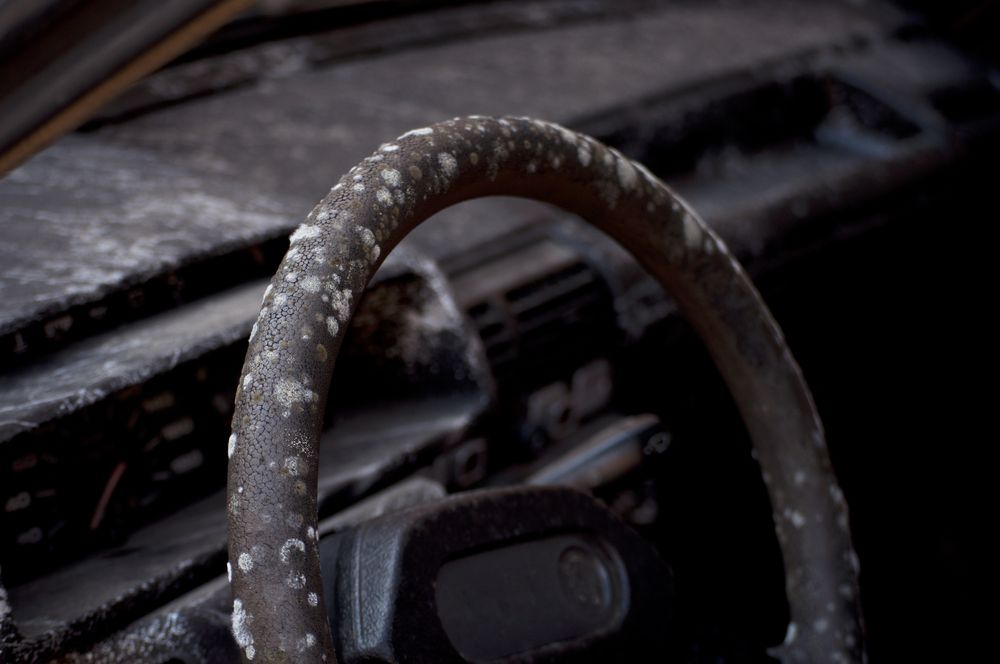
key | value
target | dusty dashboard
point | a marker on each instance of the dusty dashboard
(503, 343)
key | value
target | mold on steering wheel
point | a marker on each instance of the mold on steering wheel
(278, 612)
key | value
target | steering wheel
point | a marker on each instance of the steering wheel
(278, 610)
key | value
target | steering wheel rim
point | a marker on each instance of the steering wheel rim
(278, 609)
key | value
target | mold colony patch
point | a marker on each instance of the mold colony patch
(333, 254)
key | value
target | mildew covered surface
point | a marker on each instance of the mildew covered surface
(340, 245)
(82, 601)
(194, 629)
(85, 373)
(580, 69)
(290, 56)
(84, 219)
(98, 213)
(8, 631)
(82, 375)
(106, 591)
(364, 449)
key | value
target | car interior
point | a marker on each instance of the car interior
(530, 449)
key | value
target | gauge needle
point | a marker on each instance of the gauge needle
(109, 489)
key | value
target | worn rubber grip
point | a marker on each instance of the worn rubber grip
(278, 609)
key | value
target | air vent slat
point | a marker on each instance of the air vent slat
(556, 319)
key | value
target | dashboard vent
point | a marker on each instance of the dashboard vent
(536, 323)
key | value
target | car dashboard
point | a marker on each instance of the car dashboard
(839, 149)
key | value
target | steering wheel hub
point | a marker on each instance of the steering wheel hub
(525, 572)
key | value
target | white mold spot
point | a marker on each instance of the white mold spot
(241, 627)
(304, 232)
(566, 134)
(423, 131)
(302, 644)
(332, 326)
(852, 560)
(294, 465)
(289, 391)
(795, 517)
(358, 187)
(340, 300)
(627, 175)
(292, 277)
(448, 163)
(383, 196)
(286, 549)
(692, 231)
(583, 154)
(251, 651)
(232, 444)
(245, 562)
(311, 532)
(296, 580)
(313, 599)
(310, 284)
(391, 177)
(229, 571)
